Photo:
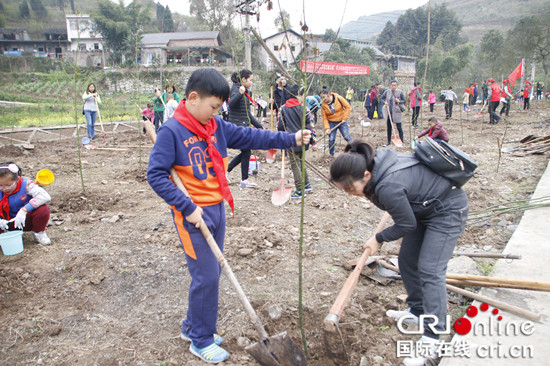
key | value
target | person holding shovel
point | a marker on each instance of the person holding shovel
(393, 101)
(335, 111)
(158, 108)
(193, 144)
(91, 100)
(240, 113)
(23, 204)
(290, 119)
(429, 215)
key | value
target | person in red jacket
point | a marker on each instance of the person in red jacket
(526, 92)
(436, 131)
(493, 97)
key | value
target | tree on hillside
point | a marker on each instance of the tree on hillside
(443, 65)
(61, 4)
(531, 37)
(490, 50)
(282, 21)
(329, 36)
(38, 8)
(24, 10)
(164, 18)
(409, 34)
(215, 14)
(119, 26)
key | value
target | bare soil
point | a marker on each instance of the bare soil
(112, 287)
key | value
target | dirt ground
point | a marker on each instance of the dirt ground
(112, 287)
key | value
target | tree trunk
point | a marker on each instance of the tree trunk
(72, 6)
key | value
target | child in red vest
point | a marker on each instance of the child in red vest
(23, 204)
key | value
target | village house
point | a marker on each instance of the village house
(15, 41)
(183, 48)
(285, 46)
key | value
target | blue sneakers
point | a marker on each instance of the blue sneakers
(210, 354)
(308, 188)
(296, 194)
(217, 338)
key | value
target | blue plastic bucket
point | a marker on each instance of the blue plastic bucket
(12, 242)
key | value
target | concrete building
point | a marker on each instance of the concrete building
(81, 33)
(14, 41)
(286, 46)
(183, 48)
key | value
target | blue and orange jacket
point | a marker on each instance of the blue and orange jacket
(181, 149)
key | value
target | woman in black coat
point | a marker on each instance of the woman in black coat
(240, 113)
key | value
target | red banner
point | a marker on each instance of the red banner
(334, 68)
(518, 72)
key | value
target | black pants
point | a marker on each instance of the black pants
(244, 159)
(425, 252)
(493, 115)
(389, 130)
(260, 109)
(432, 107)
(416, 113)
(448, 108)
(505, 108)
(526, 103)
(159, 118)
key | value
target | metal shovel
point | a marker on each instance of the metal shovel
(269, 351)
(281, 195)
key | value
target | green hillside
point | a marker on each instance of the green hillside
(480, 16)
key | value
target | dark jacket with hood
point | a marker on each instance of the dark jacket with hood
(407, 194)
(240, 108)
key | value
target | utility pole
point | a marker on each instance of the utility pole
(247, 44)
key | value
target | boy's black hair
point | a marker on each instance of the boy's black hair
(293, 90)
(149, 105)
(324, 91)
(4, 170)
(432, 119)
(208, 82)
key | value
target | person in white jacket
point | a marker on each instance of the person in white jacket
(91, 100)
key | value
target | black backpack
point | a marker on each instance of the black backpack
(446, 160)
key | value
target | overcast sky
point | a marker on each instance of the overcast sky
(320, 14)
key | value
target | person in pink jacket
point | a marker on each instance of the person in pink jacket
(431, 100)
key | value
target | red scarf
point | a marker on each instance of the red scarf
(292, 103)
(252, 100)
(183, 116)
(5, 203)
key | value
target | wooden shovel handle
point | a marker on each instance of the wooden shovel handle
(331, 320)
(215, 249)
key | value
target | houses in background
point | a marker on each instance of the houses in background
(183, 48)
(14, 41)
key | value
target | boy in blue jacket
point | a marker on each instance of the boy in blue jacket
(194, 142)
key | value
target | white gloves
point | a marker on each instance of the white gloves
(4, 224)
(19, 220)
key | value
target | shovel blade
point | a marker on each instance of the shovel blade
(397, 142)
(335, 348)
(281, 195)
(278, 350)
(270, 155)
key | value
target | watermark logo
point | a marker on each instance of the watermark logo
(469, 324)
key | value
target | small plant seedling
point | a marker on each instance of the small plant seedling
(384, 328)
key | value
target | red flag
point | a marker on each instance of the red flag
(517, 73)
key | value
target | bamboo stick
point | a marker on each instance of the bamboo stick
(496, 303)
(491, 284)
(489, 255)
(468, 277)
